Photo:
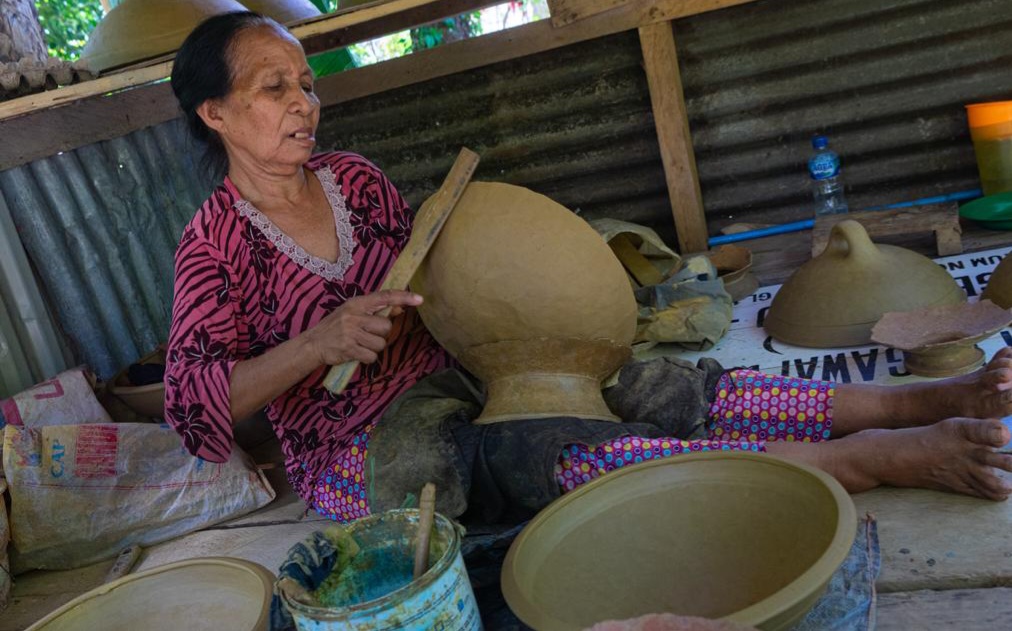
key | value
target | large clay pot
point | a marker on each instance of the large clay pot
(999, 286)
(531, 300)
(284, 11)
(141, 29)
(836, 298)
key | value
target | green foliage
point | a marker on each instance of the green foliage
(67, 24)
(331, 62)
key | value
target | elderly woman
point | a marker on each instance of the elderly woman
(275, 281)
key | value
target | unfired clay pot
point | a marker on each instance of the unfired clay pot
(203, 594)
(739, 536)
(531, 300)
(284, 11)
(141, 29)
(836, 298)
(999, 286)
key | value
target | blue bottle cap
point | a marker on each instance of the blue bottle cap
(820, 142)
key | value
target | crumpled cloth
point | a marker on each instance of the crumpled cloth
(308, 564)
(690, 307)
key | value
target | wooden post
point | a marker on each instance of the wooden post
(20, 32)
(672, 123)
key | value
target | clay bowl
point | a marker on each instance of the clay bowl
(208, 594)
(999, 286)
(148, 400)
(835, 299)
(941, 341)
(531, 300)
(745, 537)
(734, 265)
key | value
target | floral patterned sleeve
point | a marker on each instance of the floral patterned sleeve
(202, 350)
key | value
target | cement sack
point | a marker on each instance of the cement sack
(66, 399)
(82, 493)
(5, 536)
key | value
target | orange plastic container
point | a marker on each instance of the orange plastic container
(991, 131)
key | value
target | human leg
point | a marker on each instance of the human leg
(793, 418)
(986, 393)
(958, 455)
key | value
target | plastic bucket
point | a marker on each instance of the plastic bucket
(991, 131)
(441, 599)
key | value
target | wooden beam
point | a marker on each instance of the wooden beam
(513, 43)
(319, 35)
(671, 120)
(569, 11)
(88, 89)
(44, 130)
(367, 22)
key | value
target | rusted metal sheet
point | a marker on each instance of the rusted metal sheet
(886, 80)
(574, 124)
(100, 225)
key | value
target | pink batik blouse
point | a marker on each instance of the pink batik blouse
(242, 287)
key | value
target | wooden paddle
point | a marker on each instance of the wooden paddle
(428, 222)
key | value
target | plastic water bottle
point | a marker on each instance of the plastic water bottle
(824, 167)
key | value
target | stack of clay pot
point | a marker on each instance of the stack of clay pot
(531, 300)
(140, 29)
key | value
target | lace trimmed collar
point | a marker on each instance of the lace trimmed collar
(342, 220)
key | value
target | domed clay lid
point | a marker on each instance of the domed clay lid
(837, 297)
(140, 29)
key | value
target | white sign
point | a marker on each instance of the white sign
(748, 345)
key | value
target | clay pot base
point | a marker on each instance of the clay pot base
(949, 361)
(941, 341)
(545, 378)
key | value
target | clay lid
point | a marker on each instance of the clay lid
(140, 29)
(703, 534)
(836, 298)
(284, 11)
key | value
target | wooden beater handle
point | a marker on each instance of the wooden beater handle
(428, 222)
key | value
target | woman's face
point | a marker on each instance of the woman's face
(268, 121)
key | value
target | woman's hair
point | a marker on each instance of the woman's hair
(202, 71)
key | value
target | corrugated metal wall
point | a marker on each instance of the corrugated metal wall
(574, 124)
(886, 79)
(100, 225)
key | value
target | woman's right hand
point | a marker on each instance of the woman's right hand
(354, 331)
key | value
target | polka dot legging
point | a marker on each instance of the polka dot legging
(749, 409)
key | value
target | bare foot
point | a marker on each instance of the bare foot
(986, 393)
(957, 455)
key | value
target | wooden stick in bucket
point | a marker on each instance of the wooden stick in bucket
(426, 517)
